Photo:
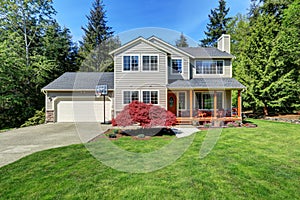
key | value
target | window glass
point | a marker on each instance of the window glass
(154, 97)
(181, 103)
(146, 96)
(150, 97)
(130, 63)
(176, 66)
(129, 96)
(206, 100)
(150, 63)
(209, 67)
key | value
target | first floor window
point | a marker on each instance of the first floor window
(182, 101)
(129, 96)
(176, 66)
(209, 67)
(150, 97)
(206, 100)
(130, 63)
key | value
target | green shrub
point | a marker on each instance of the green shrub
(38, 118)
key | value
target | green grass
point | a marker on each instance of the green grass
(246, 163)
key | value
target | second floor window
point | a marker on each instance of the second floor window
(130, 63)
(176, 66)
(209, 67)
(150, 63)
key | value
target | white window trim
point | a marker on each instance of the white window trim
(195, 64)
(139, 63)
(185, 105)
(141, 95)
(150, 66)
(181, 66)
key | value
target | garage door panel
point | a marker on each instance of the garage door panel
(83, 111)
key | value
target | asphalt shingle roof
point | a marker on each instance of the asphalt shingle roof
(207, 83)
(81, 81)
(206, 52)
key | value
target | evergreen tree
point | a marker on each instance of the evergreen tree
(97, 42)
(288, 51)
(182, 41)
(258, 68)
(99, 59)
(96, 31)
(34, 50)
(217, 25)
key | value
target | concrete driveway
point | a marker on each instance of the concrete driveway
(21, 142)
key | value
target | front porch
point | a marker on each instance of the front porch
(204, 106)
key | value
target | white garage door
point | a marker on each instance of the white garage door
(83, 111)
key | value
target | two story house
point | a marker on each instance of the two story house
(195, 83)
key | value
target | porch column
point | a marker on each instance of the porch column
(191, 103)
(239, 106)
(215, 104)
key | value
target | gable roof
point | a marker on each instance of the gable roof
(192, 52)
(170, 46)
(139, 39)
(72, 81)
(207, 83)
(206, 52)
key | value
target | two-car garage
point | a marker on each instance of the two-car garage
(83, 111)
(71, 97)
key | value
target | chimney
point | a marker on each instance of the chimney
(224, 43)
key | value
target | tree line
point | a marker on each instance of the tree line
(35, 50)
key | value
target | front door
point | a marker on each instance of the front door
(172, 103)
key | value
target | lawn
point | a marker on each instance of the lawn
(246, 163)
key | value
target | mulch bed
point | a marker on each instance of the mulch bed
(135, 134)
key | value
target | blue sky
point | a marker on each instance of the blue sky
(187, 16)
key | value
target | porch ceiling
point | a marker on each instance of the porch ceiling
(207, 83)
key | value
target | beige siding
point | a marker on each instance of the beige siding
(140, 80)
(176, 54)
(227, 70)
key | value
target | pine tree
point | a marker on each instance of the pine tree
(34, 50)
(97, 42)
(182, 41)
(288, 48)
(217, 25)
(268, 89)
(96, 31)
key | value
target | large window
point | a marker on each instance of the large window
(129, 96)
(150, 97)
(176, 66)
(130, 63)
(206, 100)
(209, 67)
(182, 101)
(150, 63)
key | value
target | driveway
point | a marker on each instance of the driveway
(21, 142)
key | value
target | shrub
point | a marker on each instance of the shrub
(233, 124)
(146, 115)
(38, 118)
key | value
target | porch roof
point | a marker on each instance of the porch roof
(207, 83)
